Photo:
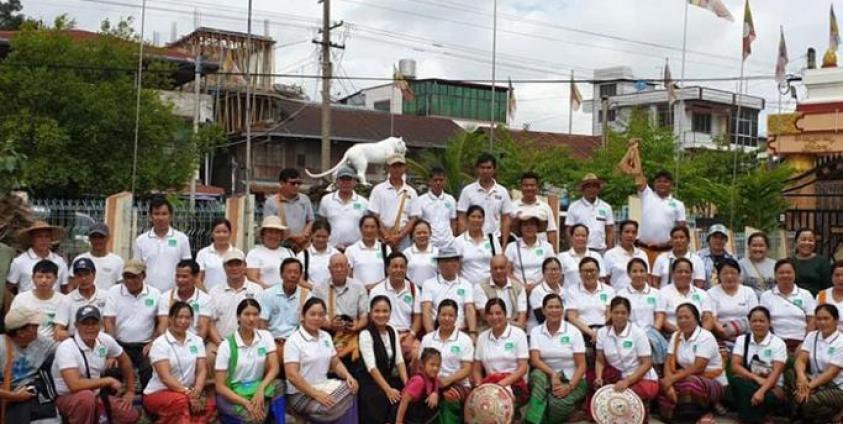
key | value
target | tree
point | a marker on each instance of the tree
(69, 106)
(10, 19)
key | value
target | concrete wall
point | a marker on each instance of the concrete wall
(183, 103)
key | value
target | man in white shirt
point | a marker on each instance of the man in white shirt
(438, 208)
(86, 293)
(391, 201)
(226, 298)
(530, 204)
(109, 266)
(162, 247)
(491, 196)
(42, 297)
(662, 212)
(594, 213)
(500, 286)
(294, 208)
(343, 209)
(187, 278)
(449, 285)
(40, 237)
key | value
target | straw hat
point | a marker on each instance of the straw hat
(272, 222)
(538, 214)
(590, 178)
(25, 235)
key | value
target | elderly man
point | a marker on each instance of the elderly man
(86, 293)
(715, 252)
(449, 285)
(226, 298)
(491, 196)
(109, 265)
(391, 200)
(281, 304)
(40, 238)
(343, 209)
(29, 351)
(594, 213)
(294, 208)
(500, 286)
(347, 302)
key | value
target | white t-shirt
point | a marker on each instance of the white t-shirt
(528, 264)
(251, 359)
(134, 315)
(537, 298)
(662, 215)
(73, 301)
(624, 350)
(405, 303)
(317, 264)
(501, 354)
(616, 260)
(476, 256)
(596, 216)
(455, 350)
(829, 298)
(385, 200)
(672, 298)
(519, 208)
(367, 263)
(268, 262)
(48, 308)
(557, 350)
(421, 264)
(734, 307)
(645, 304)
(344, 217)
(570, 261)
(664, 262)
(68, 356)
(701, 344)
(109, 269)
(771, 349)
(313, 354)
(20, 271)
(225, 301)
(438, 211)
(161, 255)
(591, 306)
(824, 351)
(210, 261)
(789, 313)
(181, 356)
(459, 290)
(199, 301)
(495, 203)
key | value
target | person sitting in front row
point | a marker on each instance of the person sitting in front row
(420, 400)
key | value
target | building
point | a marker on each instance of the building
(708, 118)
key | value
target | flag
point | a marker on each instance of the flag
(834, 33)
(511, 106)
(668, 83)
(402, 84)
(229, 66)
(781, 62)
(748, 31)
(576, 97)
(715, 6)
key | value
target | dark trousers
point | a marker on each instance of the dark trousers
(140, 363)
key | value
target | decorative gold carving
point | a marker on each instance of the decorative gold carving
(784, 123)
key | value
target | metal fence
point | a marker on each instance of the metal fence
(196, 224)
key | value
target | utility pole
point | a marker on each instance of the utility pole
(197, 75)
(327, 74)
(605, 113)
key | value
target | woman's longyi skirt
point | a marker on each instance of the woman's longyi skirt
(696, 396)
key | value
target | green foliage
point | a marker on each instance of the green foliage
(10, 19)
(457, 159)
(11, 163)
(69, 106)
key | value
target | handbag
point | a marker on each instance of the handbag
(245, 389)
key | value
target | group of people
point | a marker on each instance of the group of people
(392, 309)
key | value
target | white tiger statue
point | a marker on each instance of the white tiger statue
(359, 156)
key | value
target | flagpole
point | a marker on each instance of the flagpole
(737, 146)
(682, 80)
(139, 79)
(571, 106)
(494, 63)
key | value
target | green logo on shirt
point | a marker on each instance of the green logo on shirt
(149, 302)
(696, 298)
(194, 350)
(461, 292)
(539, 252)
(101, 352)
(171, 242)
(602, 212)
(565, 340)
(449, 205)
(408, 299)
(651, 301)
(195, 306)
(379, 255)
(509, 346)
(357, 206)
(604, 297)
(831, 350)
(326, 343)
(768, 352)
(797, 302)
(455, 349)
(627, 344)
(694, 348)
(488, 246)
(261, 351)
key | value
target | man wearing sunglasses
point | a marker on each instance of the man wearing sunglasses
(294, 208)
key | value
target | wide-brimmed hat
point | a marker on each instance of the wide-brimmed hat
(590, 178)
(538, 214)
(25, 235)
(272, 222)
(448, 252)
(21, 316)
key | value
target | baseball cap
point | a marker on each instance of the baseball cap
(718, 228)
(134, 267)
(234, 255)
(395, 158)
(88, 311)
(98, 228)
(346, 171)
(84, 264)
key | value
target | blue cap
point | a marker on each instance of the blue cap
(84, 264)
(88, 311)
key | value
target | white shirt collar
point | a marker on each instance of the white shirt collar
(170, 232)
(505, 335)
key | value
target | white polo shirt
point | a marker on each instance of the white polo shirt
(535, 301)
(210, 262)
(344, 217)
(645, 304)
(591, 305)
(135, 315)
(732, 307)
(181, 356)
(624, 350)
(502, 293)
(789, 313)
(438, 289)
(455, 349)
(596, 216)
(824, 351)
(438, 211)
(519, 208)
(268, 262)
(501, 354)
(421, 264)
(829, 298)
(476, 256)
(526, 260)
(161, 255)
(68, 356)
(367, 263)
(74, 301)
(495, 203)
(570, 261)
(47, 308)
(771, 349)
(317, 263)
(405, 303)
(313, 354)
(251, 359)
(663, 263)
(385, 200)
(199, 301)
(701, 344)
(557, 350)
(662, 215)
(225, 301)
(672, 298)
(20, 271)
(616, 259)
(109, 269)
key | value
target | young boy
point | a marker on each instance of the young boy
(43, 297)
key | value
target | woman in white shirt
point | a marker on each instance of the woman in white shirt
(683, 291)
(758, 362)
(572, 257)
(647, 307)
(588, 306)
(246, 369)
(694, 380)
(818, 368)
(421, 265)
(834, 294)
(211, 271)
(623, 355)
(757, 268)
(176, 392)
(502, 353)
(263, 263)
(557, 353)
(791, 307)
(731, 302)
(551, 283)
(309, 355)
(367, 257)
(477, 248)
(662, 272)
(316, 257)
(527, 253)
(384, 374)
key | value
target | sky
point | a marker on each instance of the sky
(536, 40)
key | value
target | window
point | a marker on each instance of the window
(744, 131)
(612, 115)
(701, 122)
(301, 160)
(608, 90)
(665, 118)
(383, 105)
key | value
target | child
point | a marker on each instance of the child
(420, 401)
